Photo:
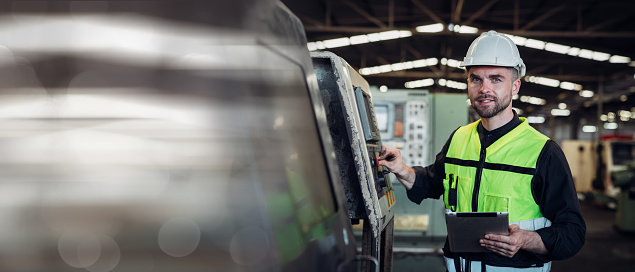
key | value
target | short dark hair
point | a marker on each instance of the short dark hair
(515, 73)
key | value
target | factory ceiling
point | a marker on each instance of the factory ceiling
(568, 46)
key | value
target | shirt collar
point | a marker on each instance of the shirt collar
(489, 137)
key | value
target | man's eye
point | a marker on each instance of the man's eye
(497, 79)
(476, 79)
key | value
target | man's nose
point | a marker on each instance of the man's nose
(486, 87)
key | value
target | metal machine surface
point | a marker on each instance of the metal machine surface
(357, 143)
(164, 136)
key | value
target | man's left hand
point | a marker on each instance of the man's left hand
(509, 245)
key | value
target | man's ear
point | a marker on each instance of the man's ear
(515, 86)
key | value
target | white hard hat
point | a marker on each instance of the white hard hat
(494, 49)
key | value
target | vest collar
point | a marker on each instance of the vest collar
(489, 137)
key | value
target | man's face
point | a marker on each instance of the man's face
(490, 89)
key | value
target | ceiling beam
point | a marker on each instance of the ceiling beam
(456, 17)
(427, 11)
(544, 16)
(480, 12)
(366, 14)
(606, 23)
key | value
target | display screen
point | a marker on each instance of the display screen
(381, 114)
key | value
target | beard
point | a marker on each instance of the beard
(489, 112)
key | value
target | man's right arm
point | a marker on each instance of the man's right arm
(421, 182)
(391, 159)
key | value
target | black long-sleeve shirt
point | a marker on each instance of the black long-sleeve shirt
(552, 188)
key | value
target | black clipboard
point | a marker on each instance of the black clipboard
(466, 228)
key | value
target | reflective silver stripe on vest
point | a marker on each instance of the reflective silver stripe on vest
(534, 224)
(476, 267)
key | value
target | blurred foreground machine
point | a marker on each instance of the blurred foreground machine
(166, 136)
(357, 144)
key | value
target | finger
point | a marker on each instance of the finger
(384, 150)
(494, 237)
(514, 228)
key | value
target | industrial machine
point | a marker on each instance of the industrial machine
(625, 212)
(357, 143)
(170, 136)
(615, 153)
(582, 157)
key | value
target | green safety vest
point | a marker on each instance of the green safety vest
(496, 179)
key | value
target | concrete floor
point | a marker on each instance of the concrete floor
(606, 249)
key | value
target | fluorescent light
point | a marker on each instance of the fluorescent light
(389, 35)
(365, 71)
(624, 113)
(562, 106)
(456, 85)
(599, 56)
(465, 29)
(521, 41)
(559, 112)
(385, 68)
(454, 63)
(589, 129)
(557, 48)
(383, 88)
(311, 46)
(359, 39)
(535, 119)
(544, 81)
(339, 42)
(604, 117)
(537, 101)
(619, 59)
(398, 66)
(373, 37)
(574, 51)
(433, 28)
(404, 33)
(442, 82)
(586, 93)
(570, 86)
(419, 83)
(587, 54)
(535, 44)
(419, 63)
(610, 125)
(533, 100)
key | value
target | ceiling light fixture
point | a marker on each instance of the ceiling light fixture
(359, 39)
(433, 28)
(610, 125)
(589, 129)
(560, 112)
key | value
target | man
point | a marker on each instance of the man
(500, 164)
